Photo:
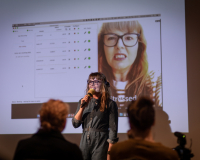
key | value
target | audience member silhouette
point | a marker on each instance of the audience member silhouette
(141, 145)
(48, 142)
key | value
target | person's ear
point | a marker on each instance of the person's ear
(131, 125)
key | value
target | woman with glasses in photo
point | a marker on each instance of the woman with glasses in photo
(122, 58)
(98, 115)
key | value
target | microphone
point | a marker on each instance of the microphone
(89, 94)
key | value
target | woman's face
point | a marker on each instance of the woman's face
(120, 57)
(95, 84)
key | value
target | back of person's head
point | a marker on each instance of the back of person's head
(53, 115)
(141, 113)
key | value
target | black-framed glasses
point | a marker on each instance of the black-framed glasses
(128, 39)
(96, 82)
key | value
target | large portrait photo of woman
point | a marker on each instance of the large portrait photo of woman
(122, 58)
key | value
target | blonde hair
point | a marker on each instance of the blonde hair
(105, 93)
(53, 114)
(139, 70)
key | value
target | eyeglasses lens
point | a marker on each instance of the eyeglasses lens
(129, 40)
(96, 82)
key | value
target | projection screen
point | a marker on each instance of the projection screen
(49, 49)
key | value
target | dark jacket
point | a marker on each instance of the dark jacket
(93, 118)
(99, 129)
(47, 145)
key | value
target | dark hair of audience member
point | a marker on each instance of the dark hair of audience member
(53, 115)
(141, 114)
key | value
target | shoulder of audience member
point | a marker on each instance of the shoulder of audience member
(77, 151)
(73, 149)
(123, 146)
(169, 152)
(126, 147)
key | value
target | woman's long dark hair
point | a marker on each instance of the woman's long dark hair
(104, 90)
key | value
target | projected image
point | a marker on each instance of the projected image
(140, 48)
(127, 51)
(123, 58)
(62, 53)
(60, 56)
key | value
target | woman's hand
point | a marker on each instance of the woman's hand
(85, 99)
(109, 148)
(108, 157)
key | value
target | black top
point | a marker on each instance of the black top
(47, 145)
(93, 118)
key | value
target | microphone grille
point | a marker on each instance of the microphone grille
(91, 91)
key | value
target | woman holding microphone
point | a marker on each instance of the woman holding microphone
(99, 118)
